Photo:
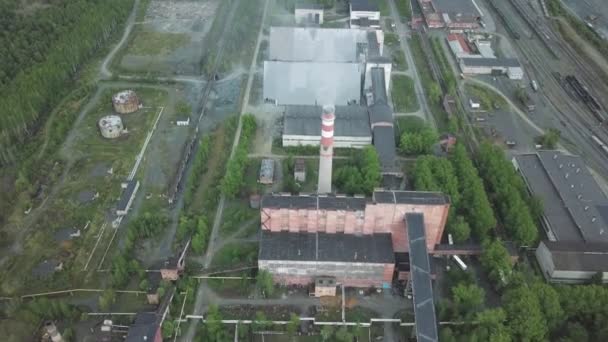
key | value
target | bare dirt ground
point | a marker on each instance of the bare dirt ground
(581, 45)
(170, 38)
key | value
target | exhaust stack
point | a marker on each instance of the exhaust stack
(327, 149)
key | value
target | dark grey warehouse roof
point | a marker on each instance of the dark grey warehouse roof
(364, 6)
(379, 87)
(310, 83)
(339, 247)
(308, 4)
(384, 142)
(410, 197)
(314, 202)
(351, 121)
(464, 7)
(126, 195)
(422, 288)
(574, 205)
(578, 256)
(491, 62)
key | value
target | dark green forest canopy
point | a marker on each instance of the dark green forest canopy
(42, 48)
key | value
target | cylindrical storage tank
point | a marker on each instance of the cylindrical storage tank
(52, 332)
(125, 102)
(111, 126)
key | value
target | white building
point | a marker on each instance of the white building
(308, 13)
(364, 14)
(492, 66)
(474, 103)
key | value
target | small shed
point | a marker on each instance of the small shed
(474, 103)
(299, 170)
(266, 171)
(325, 286)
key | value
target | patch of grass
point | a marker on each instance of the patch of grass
(151, 43)
(487, 97)
(235, 217)
(404, 8)
(391, 39)
(383, 6)
(408, 124)
(399, 61)
(235, 255)
(403, 94)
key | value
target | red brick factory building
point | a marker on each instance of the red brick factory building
(359, 241)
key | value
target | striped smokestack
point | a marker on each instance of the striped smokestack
(327, 149)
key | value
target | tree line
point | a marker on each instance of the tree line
(50, 60)
(234, 179)
(362, 175)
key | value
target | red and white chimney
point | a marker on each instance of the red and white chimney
(327, 149)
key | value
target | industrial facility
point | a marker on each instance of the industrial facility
(451, 14)
(476, 56)
(111, 126)
(307, 13)
(575, 217)
(125, 102)
(314, 66)
(364, 14)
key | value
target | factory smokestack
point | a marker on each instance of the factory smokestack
(327, 149)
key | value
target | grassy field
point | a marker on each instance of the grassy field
(85, 195)
(151, 43)
(403, 94)
(235, 254)
(487, 97)
(405, 10)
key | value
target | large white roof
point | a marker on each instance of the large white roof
(310, 83)
(315, 44)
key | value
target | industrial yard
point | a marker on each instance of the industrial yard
(349, 170)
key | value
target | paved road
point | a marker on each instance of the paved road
(403, 31)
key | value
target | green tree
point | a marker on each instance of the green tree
(419, 142)
(550, 139)
(460, 229)
(468, 299)
(265, 282)
(343, 335)
(496, 262)
(292, 326)
(327, 332)
(168, 329)
(524, 314)
(144, 285)
(214, 329)
(107, 298)
(550, 304)
(491, 326)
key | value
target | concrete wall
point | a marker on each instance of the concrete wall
(339, 141)
(350, 274)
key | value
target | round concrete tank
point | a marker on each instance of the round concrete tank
(111, 126)
(125, 102)
(51, 331)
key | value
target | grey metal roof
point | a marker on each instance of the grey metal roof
(380, 112)
(310, 83)
(491, 62)
(307, 44)
(144, 328)
(307, 4)
(379, 87)
(339, 247)
(578, 256)
(410, 197)
(384, 142)
(314, 202)
(422, 288)
(464, 7)
(574, 205)
(364, 6)
(351, 121)
(126, 195)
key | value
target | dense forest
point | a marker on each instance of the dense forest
(41, 50)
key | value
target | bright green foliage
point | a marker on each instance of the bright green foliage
(327, 332)
(419, 142)
(343, 335)
(468, 299)
(168, 328)
(550, 139)
(496, 262)
(510, 194)
(524, 314)
(460, 230)
(549, 303)
(234, 178)
(292, 326)
(199, 240)
(473, 195)
(214, 329)
(265, 282)
(361, 177)
(491, 326)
